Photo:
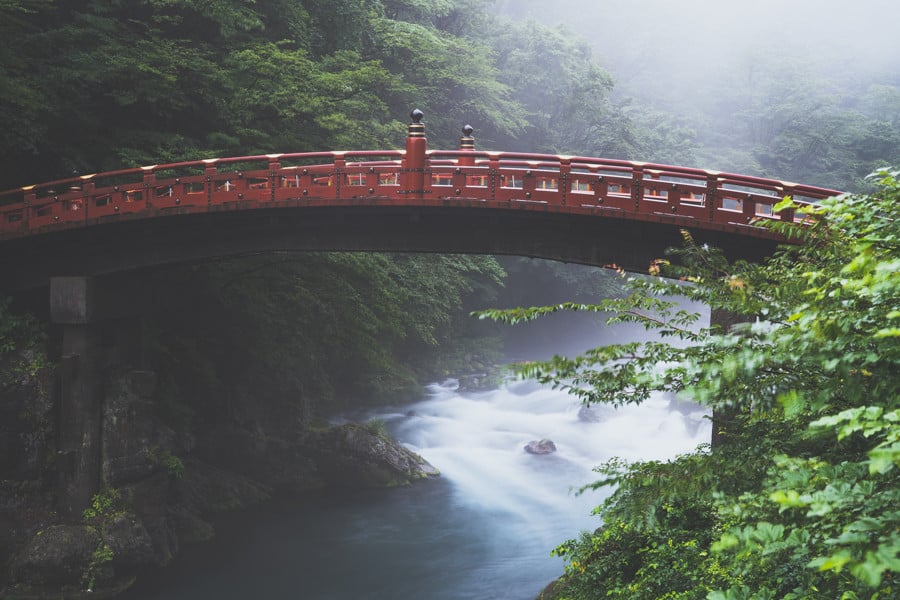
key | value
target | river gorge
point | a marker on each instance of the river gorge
(484, 529)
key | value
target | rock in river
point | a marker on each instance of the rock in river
(540, 447)
(363, 456)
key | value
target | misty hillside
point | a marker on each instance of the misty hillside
(805, 91)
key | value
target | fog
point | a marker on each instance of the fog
(670, 42)
(792, 89)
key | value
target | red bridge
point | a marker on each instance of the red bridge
(574, 208)
(65, 234)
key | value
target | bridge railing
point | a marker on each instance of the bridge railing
(639, 190)
(683, 196)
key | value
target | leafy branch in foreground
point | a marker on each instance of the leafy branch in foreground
(801, 501)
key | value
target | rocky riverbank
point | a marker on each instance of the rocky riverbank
(161, 488)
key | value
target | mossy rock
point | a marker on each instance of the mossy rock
(58, 556)
(360, 456)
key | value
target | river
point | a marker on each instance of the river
(483, 530)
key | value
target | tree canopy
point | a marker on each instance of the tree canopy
(88, 86)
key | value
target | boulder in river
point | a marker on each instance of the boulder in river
(543, 446)
(365, 456)
(586, 414)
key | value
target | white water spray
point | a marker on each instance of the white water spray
(477, 441)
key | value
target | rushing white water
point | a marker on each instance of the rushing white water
(483, 530)
(478, 440)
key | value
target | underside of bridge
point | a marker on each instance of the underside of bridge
(117, 248)
(95, 274)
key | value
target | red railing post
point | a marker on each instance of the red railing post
(414, 161)
(88, 189)
(494, 173)
(748, 208)
(149, 181)
(600, 188)
(466, 144)
(28, 201)
(637, 185)
(673, 197)
(563, 185)
(209, 170)
(712, 195)
(274, 167)
(340, 169)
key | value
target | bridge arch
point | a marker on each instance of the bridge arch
(580, 209)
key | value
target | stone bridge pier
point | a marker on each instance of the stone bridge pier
(100, 348)
(80, 415)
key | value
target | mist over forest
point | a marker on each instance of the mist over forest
(781, 89)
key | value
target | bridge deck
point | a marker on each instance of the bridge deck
(681, 196)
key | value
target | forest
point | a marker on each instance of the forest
(93, 86)
(798, 502)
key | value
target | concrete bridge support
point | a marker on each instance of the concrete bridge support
(101, 342)
(80, 406)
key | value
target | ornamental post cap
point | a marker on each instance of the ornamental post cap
(467, 142)
(416, 129)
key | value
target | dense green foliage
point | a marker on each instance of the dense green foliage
(308, 335)
(88, 86)
(799, 496)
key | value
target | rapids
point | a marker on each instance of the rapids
(483, 530)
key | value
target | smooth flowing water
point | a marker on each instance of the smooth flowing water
(483, 530)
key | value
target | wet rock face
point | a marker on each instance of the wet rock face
(57, 556)
(129, 454)
(359, 456)
(27, 452)
(26, 419)
(149, 500)
(207, 490)
(129, 541)
(540, 447)
(271, 460)
(79, 562)
(160, 507)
